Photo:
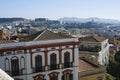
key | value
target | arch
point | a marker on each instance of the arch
(53, 61)
(22, 61)
(53, 75)
(66, 59)
(51, 52)
(69, 51)
(33, 58)
(38, 63)
(39, 77)
(15, 66)
(7, 64)
(67, 75)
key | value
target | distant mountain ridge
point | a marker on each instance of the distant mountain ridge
(2, 20)
(83, 20)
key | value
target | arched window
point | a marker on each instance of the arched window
(67, 59)
(22, 62)
(53, 61)
(7, 64)
(38, 63)
(15, 66)
(39, 77)
(53, 75)
(67, 75)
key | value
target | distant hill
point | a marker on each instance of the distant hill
(83, 20)
(2, 20)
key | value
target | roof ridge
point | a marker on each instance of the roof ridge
(40, 35)
(95, 38)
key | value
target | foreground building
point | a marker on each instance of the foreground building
(43, 56)
(4, 76)
(94, 48)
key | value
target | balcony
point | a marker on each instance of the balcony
(16, 72)
(53, 67)
(39, 69)
(90, 49)
(67, 65)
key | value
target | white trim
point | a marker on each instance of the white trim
(55, 52)
(35, 54)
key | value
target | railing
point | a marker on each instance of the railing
(39, 69)
(67, 65)
(53, 67)
(16, 72)
(90, 49)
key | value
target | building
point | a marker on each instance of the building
(94, 48)
(43, 56)
(113, 47)
(4, 76)
(2, 34)
(91, 71)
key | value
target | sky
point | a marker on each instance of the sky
(55, 9)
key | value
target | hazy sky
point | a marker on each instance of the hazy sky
(54, 9)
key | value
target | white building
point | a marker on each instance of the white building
(95, 48)
(4, 76)
(47, 56)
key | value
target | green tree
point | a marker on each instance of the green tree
(117, 56)
(109, 77)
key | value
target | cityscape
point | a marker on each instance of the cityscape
(60, 40)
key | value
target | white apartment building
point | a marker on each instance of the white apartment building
(45, 56)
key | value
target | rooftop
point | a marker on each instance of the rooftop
(46, 35)
(93, 38)
(85, 65)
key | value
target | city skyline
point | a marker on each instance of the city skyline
(54, 9)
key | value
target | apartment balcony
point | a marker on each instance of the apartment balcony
(16, 72)
(67, 65)
(53, 67)
(90, 49)
(39, 69)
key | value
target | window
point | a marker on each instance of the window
(53, 75)
(53, 61)
(7, 65)
(15, 66)
(22, 62)
(54, 78)
(38, 63)
(67, 77)
(39, 77)
(66, 59)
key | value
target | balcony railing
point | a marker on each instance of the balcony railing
(90, 49)
(67, 65)
(53, 67)
(39, 69)
(16, 72)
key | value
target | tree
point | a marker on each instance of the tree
(117, 56)
(109, 77)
